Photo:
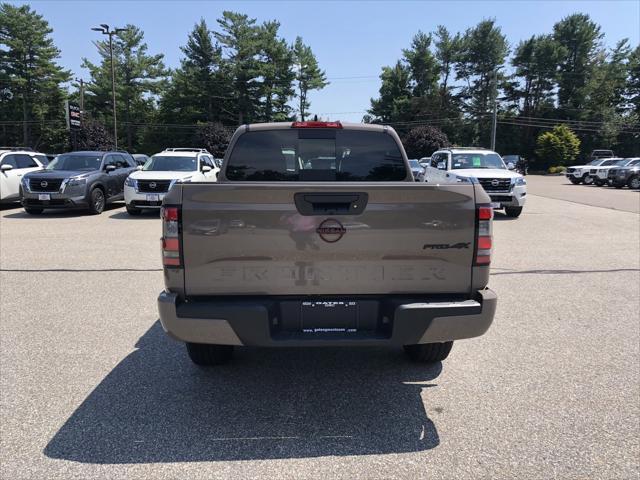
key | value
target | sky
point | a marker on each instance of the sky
(351, 39)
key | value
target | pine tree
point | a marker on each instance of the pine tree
(139, 77)
(31, 95)
(240, 40)
(309, 76)
(580, 38)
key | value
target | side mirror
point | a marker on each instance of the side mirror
(511, 166)
(205, 168)
(139, 167)
(442, 166)
(6, 167)
(109, 168)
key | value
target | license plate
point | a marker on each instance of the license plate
(329, 317)
(154, 197)
(44, 196)
(494, 204)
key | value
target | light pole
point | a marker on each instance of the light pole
(494, 123)
(104, 29)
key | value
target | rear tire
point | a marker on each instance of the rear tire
(587, 180)
(513, 212)
(133, 210)
(634, 182)
(33, 211)
(428, 352)
(207, 355)
(599, 182)
(97, 201)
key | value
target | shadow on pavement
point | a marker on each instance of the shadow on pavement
(63, 213)
(10, 206)
(146, 214)
(155, 406)
(502, 217)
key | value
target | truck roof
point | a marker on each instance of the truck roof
(345, 126)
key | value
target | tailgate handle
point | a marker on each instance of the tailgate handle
(331, 203)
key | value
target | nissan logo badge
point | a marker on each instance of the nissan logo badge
(152, 185)
(495, 182)
(44, 184)
(331, 230)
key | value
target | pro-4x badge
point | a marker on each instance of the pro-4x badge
(446, 246)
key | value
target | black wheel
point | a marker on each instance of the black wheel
(587, 180)
(618, 186)
(207, 355)
(513, 212)
(634, 182)
(428, 352)
(33, 210)
(575, 181)
(133, 210)
(598, 182)
(96, 201)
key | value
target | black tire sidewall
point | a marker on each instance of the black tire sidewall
(92, 207)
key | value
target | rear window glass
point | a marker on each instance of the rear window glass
(315, 155)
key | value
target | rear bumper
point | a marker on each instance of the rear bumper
(256, 322)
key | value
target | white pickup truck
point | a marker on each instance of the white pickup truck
(507, 189)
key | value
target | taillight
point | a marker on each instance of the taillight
(484, 235)
(171, 255)
(316, 124)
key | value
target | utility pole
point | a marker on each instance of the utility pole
(104, 29)
(494, 123)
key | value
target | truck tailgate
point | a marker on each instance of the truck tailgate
(327, 238)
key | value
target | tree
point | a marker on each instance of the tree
(633, 82)
(423, 67)
(201, 79)
(447, 51)
(276, 68)
(31, 92)
(395, 92)
(139, 77)
(214, 137)
(560, 146)
(240, 39)
(580, 38)
(308, 77)
(93, 136)
(483, 49)
(423, 141)
(535, 61)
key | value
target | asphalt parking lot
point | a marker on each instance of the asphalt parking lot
(90, 387)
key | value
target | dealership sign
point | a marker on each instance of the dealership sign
(74, 116)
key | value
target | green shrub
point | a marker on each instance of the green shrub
(560, 146)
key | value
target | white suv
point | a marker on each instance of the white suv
(506, 188)
(14, 163)
(145, 188)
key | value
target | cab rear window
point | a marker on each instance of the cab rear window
(315, 155)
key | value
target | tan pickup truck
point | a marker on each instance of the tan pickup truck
(316, 235)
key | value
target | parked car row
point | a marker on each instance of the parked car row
(92, 179)
(616, 172)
